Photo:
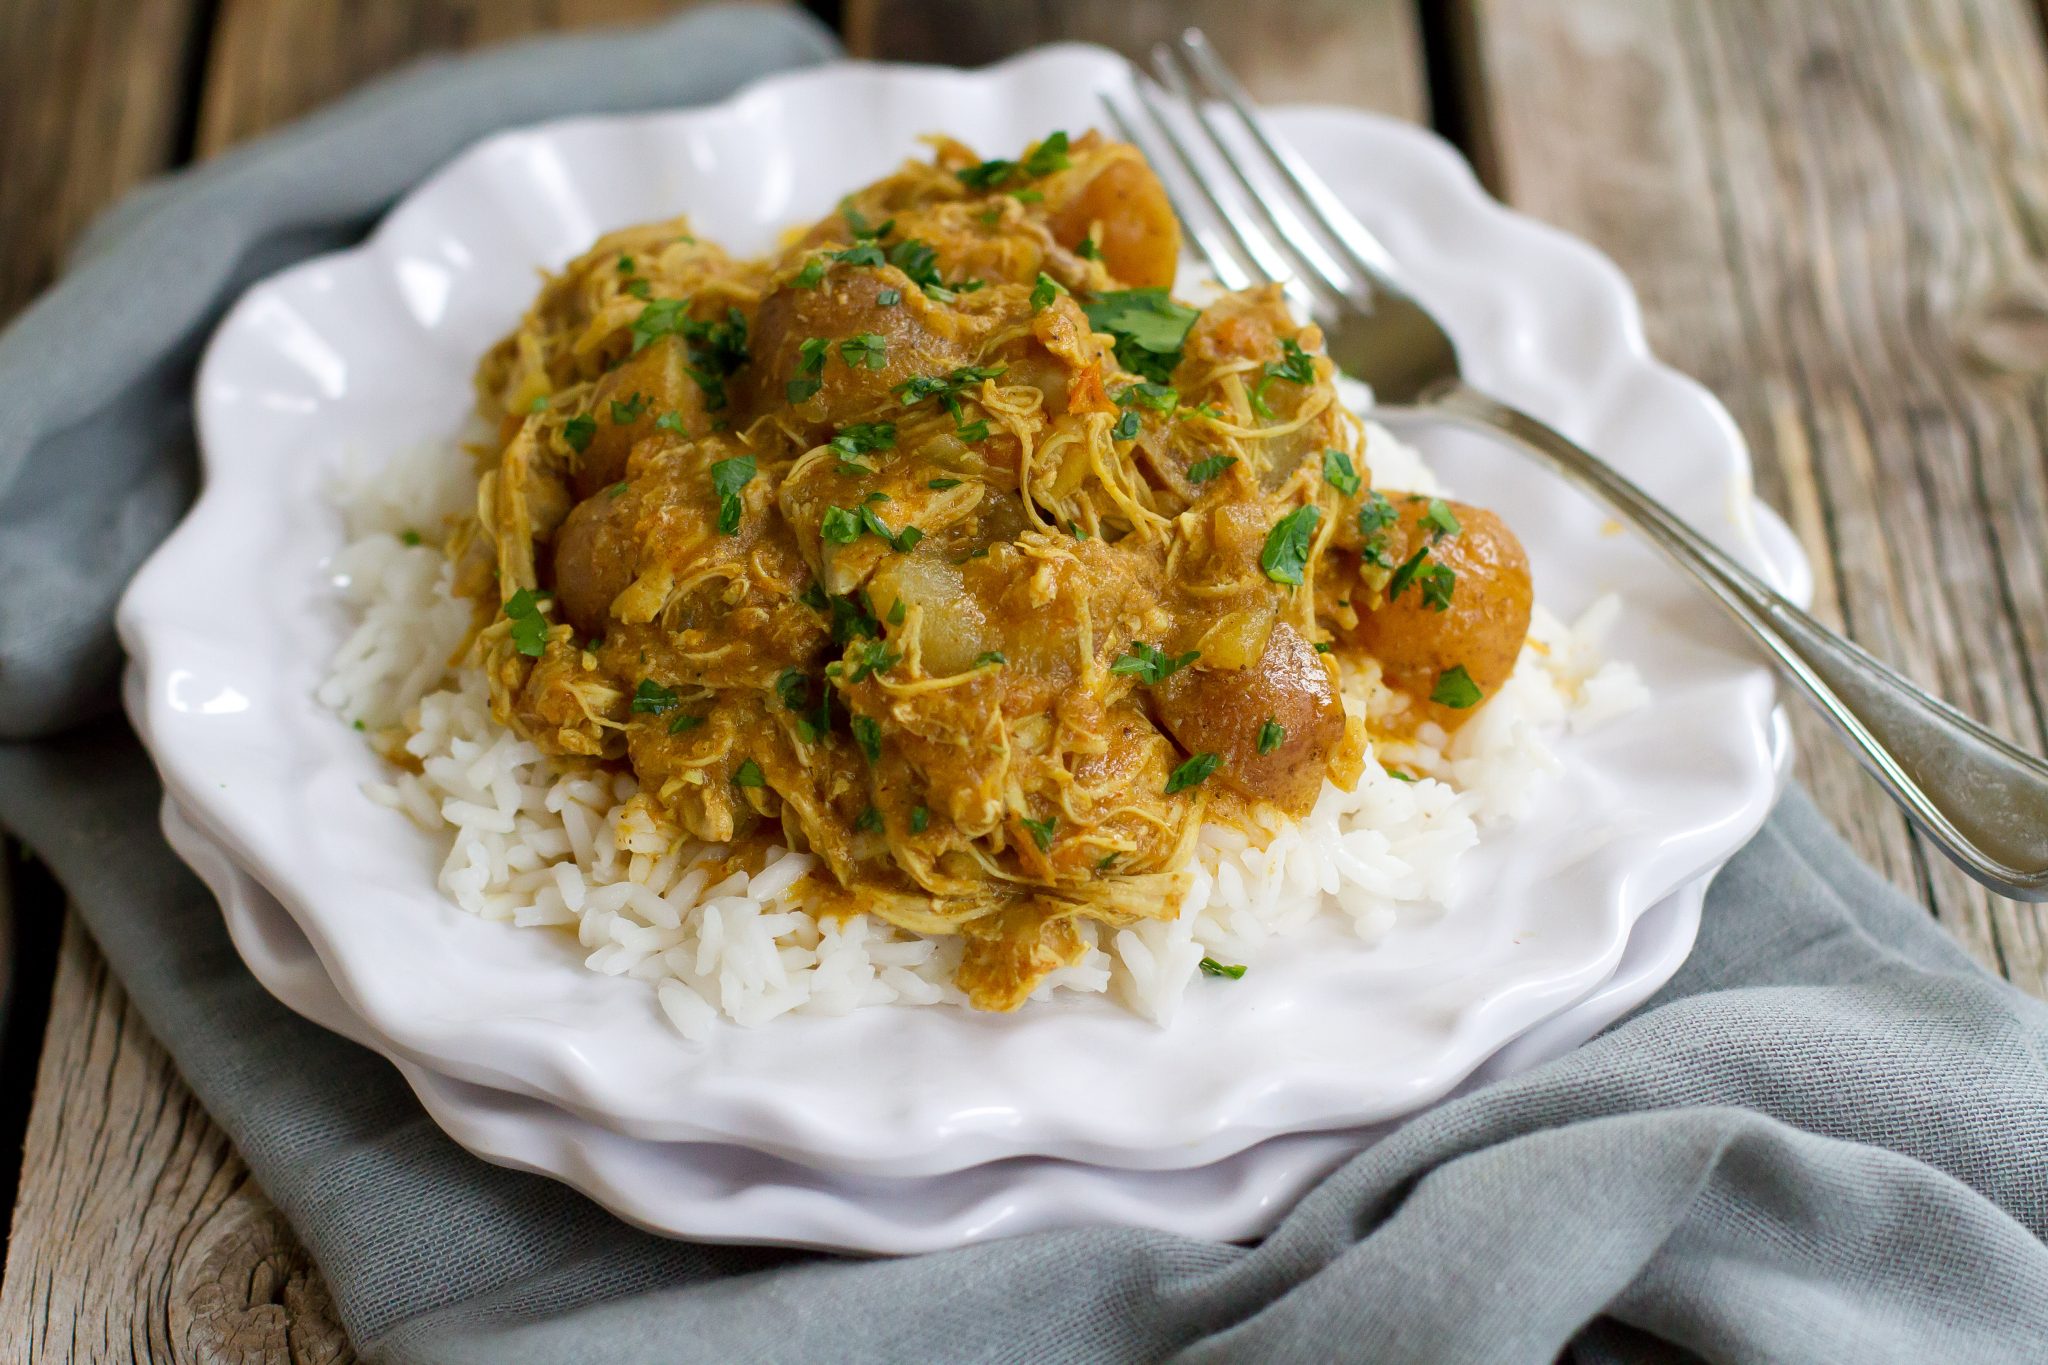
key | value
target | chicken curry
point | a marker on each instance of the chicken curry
(947, 544)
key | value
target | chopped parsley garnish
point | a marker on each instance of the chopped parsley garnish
(1397, 774)
(1087, 250)
(1440, 520)
(1150, 664)
(793, 689)
(920, 262)
(863, 438)
(810, 276)
(1077, 530)
(1193, 772)
(871, 657)
(1286, 551)
(889, 298)
(748, 774)
(357, 724)
(857, 222)
(617, 490)
(529, 626)
(1028, 196)
(1294, 366)
(1271, 735)
(941, 485)
(1149, 328)
(577, 431)
(947, 388)
(1158, 397)
(640, 289)
(992, 657)
(897, 612)
(868, 735)
(1201, 471)
(852, 618)
(1126, 428)
(1042, 831)
(1043, 159)
(840, 526)
(625, 265)
(972, 432)
(1437, 582)
(539, 404)
(810, 362)
(1102, 863)
(869, 349)
(1338, 473)
(920, 819)
(409, 537)
(1405, 575)
(670, 421)
(1233, 970)
(1045, 291)
(728, 477)
(1324, 646)
(650, 698)
(1455, 689)
(628, 412)
(1377, 514)
(869, 821)
(860, 253)
(660, 318)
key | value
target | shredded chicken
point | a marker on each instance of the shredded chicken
(945, 544)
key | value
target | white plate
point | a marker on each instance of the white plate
(232, 623)
(714, 1192)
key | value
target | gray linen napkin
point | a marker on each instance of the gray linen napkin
(1825, 1140)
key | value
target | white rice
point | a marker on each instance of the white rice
(533, 846)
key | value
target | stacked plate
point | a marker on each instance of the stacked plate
(895, 1130)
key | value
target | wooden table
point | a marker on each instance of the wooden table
(1836, 212)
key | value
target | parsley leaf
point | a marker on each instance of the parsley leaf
(1338, 473)
(868, 735)
(1158, 397)
(1149, 328)
(1193, 772)
(992, 657)
(889, 298)
(1440, 520)
(1126, 428)
(871, 657)
(1376, 515)
(1045, 291)
(1042, 831)
(650, 698)
(1271, 735)
(869, 348)
(1455, 689)
(1437, 582)
(1233, 970)
(869, 821)
(810, 276)
(728, 477)
(1405, 575)
(941, 485)
(577, 431)
(1048, 156)
(1201, 471)
(1286, 552)
(1150, 664)
(684, 722)
(840, 526)
(748, 774)
(860, 253)
(1087, 250)
(529, 626)
(920, 819)
(628, 412)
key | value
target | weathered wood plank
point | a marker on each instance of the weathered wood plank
(1834, 213)
(91, 101)
(138, 1233)
(273, 60)
(1363, 52)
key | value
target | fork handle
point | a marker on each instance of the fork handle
(1983, 801)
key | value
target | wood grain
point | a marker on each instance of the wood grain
(272, 60)
(1362, 52)
(137, 1233)
(91, 101)
(1836, 215)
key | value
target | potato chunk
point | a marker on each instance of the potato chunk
(1226, 712)
(1476, 619)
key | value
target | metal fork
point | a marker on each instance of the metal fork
(1983, 801)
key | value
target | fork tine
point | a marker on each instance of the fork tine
(1250, 244)
(1302, 256)
(1368, 259)
(1229, 267)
